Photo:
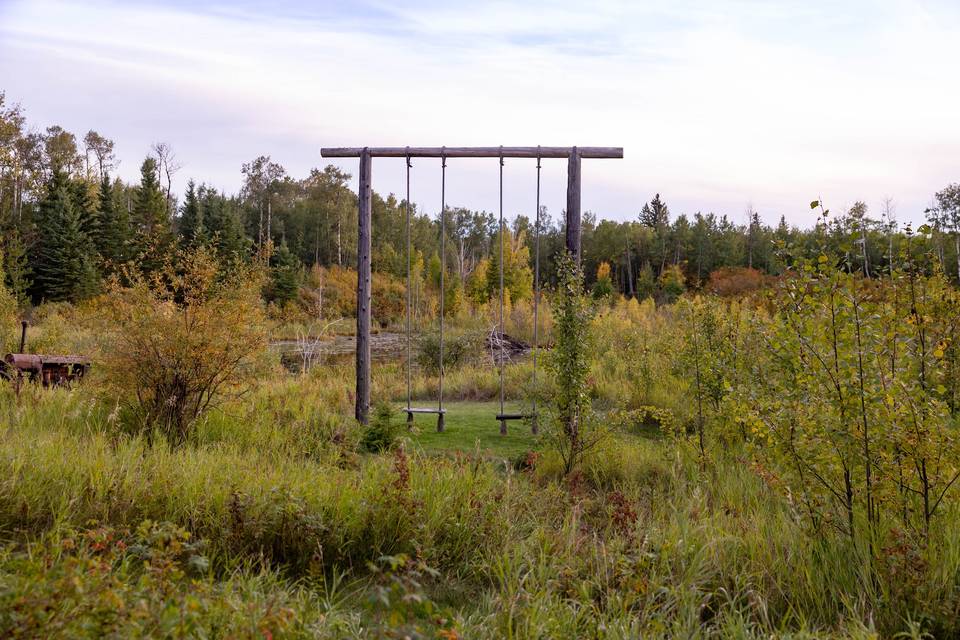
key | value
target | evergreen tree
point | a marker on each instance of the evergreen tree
(191, 229)
(86, 208)
(114, 237)
(64, 262)
(222, 223)
(655, 214)
(284, 283)
(17, 267)
(151, 219)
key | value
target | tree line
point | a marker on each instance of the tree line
(68, 223)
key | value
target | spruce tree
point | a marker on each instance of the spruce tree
(114, 237)
(151, 219)
(655, 214)
(284, 284)
(86, 209)
(17, 267)
(222, 223)
(65, 268)
(191, 227)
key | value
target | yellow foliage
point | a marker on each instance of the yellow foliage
(603, 271)
(178, 343)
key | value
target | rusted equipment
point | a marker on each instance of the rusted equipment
(50, 371)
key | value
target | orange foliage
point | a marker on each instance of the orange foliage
(735, 281)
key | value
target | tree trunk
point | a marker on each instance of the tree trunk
(339, 246)
(956, 239)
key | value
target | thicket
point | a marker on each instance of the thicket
(177, 342)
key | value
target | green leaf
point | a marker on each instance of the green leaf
(924, 228)
(814, 204)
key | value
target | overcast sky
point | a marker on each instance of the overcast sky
(718, 104)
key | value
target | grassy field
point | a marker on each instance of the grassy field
(689, 514)
(472, 426)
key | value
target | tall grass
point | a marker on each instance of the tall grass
(305, 535)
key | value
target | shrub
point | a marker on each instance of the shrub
(382, 432)
(569, 363)
(731, 282)
(172, 346)
(457, 350)
(8, 313)
(107, 582)
(603, 287)
(672, 284)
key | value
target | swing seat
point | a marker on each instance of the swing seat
(440, 413)
(515, 416)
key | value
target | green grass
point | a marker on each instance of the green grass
(470, 425)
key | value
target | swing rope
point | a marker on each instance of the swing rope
(532, 415)
(503, 424)
(406, 206)
(443, 264)
(536, 297)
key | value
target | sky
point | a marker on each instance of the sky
(718, 104)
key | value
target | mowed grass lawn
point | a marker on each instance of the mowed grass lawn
(471, 426)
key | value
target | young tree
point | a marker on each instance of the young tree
(603, 286)
(17, 267)
(569, 362)
(284, 277)
(8, 312)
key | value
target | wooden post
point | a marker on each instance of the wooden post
(573, 205)
(363, 290)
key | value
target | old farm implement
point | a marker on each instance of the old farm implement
(48, 370)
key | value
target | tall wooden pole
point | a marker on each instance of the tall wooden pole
(573, 205)
(363, 291)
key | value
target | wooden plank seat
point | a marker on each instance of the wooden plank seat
(503, 418)
(515, 416)
(440, 413)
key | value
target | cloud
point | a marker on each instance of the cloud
(716, 104)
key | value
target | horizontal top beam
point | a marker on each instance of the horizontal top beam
(472, 152)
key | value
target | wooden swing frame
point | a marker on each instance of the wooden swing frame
(365, 194)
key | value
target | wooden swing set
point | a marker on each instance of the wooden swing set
(366, 154)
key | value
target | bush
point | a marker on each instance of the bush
(731, 282)
(172, 346)
(382, 432)
(8, 317)
(107, 582)
(457, 350)
(672, 284)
